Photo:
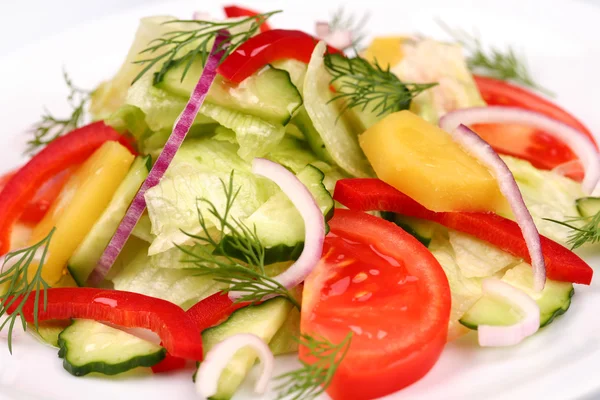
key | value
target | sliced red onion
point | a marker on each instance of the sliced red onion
(579, 143)
(218, 358)
(322, 29)
(339, 38)
(201, 16)
(314, 223)
(513, 334)
(483, 152)
(180, 130)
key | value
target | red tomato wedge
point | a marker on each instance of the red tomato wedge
(535, 146)
(375, 195)
(380, 283)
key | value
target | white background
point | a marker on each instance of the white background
(24, 21)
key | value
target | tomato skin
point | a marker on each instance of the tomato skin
(535, 146)
(399, 329)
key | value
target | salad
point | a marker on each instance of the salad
(247, 191)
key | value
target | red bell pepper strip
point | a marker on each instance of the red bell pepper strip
(206, 313)
(177, 331)
(64, 152)
(263, 49)
(235, 11)
(213, 310)
(168, 364)
(40, 203)
(376, 195)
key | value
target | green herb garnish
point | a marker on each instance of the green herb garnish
(505, 65)
(365, 85)
(185, 46)
(313, 379)
(246, 276)
(50, 127)
(589, 232)
(17, 285)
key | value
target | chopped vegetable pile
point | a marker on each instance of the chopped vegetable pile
(248, 191)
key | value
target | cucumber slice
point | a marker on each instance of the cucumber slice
(84, 259)
(588, 206)
(286, 339)
(48, 331)
(313, 138)
(89, 346)
(553, 301)
(264, 321)
(297, 71)
(268, 94)
(421, 229)
(279, 225)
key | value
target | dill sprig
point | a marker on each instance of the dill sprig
(349, 22)
(246, 277)
(195, 43)
(589, 232)
(497, 63)
(50, 127)
(17, 286)
(313, 379)
(365, 85)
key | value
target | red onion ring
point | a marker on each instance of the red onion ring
(219, 356)
(483, 152)
(509, 335)
(580, 144)
(314, 223)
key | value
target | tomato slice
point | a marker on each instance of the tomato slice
(533, 145)
(379, 282)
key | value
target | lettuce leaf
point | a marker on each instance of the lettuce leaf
(198, 170)
(110, 95)
(547, 195)
(341, 142)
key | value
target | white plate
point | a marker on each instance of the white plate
(562, 43)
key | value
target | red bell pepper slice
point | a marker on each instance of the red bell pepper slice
(213, 310)
(376, 195)
(235, 11)
(64, 152)
(168, 364)
(177, 331)
(40, 203)
(206, 313)
(263, 49)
